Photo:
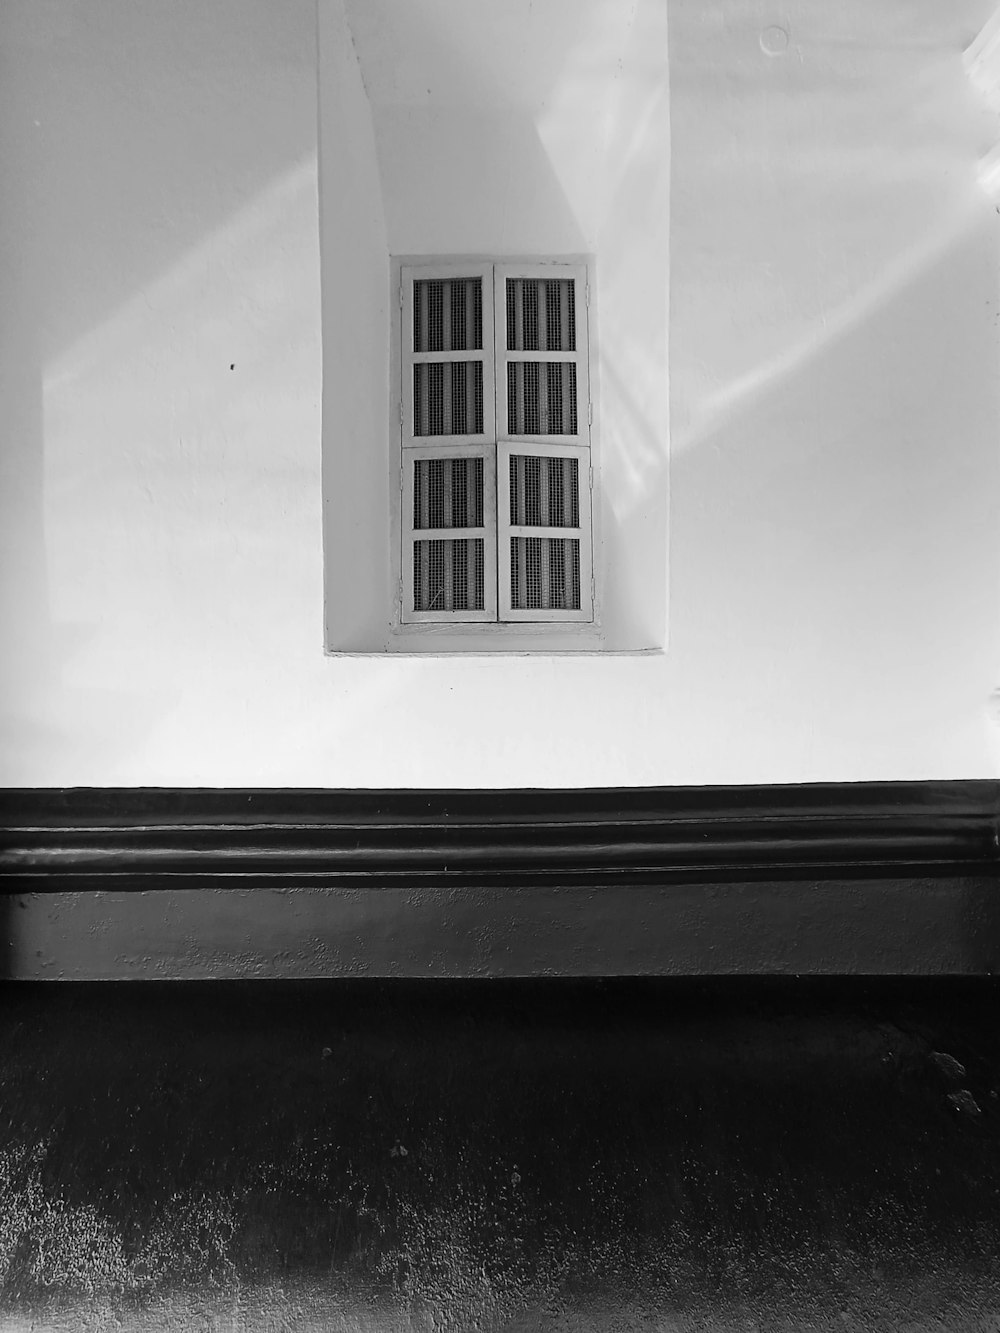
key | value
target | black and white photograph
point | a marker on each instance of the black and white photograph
(499, 666)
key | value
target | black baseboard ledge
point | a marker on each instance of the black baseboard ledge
(867, 878)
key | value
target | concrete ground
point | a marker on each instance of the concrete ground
(541, 1155)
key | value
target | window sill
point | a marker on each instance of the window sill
(497, 641)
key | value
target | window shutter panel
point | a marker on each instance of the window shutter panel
(449, 534)
(543, 381)
(545, 553)
(447, 355)
(545, 558)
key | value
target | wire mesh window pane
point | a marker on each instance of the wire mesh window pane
(541, 314)
(448, 493)
(448, 398)
(544, 492)
(448, 575)
(448, 315)
(545, 573)
(541, 398)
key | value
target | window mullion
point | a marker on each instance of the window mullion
(499, 378)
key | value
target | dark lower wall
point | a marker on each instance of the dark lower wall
(920, 925)
(876, 878)
(462, 1156)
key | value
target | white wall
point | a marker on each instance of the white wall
(834, 488)
(165, 424)
(355, 282)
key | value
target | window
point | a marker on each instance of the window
(495, 424)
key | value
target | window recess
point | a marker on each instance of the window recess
(495, 424)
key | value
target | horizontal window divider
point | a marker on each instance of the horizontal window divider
(447, 534)
(514, 354)
(540, 443)
(443, 358)
(446, 443)
(568, 446)
(527, 530)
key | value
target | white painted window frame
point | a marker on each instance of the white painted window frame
(495, 445)
(413, 534)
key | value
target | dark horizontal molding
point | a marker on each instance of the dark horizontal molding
(55, 840)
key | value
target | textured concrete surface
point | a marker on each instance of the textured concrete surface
(547, 1155)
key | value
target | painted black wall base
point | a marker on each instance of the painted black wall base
(139, 839)
(879, 878)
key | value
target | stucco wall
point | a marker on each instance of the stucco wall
(833, 464)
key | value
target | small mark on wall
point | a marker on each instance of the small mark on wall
(774, 40)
